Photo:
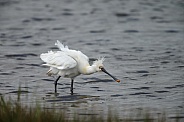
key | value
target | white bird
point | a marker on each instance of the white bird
(70, 63)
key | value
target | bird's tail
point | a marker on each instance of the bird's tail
(61, 46)
(52, 71)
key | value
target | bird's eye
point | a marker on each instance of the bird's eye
(100, 67)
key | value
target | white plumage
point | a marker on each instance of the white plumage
(58, 60)
(70, 63)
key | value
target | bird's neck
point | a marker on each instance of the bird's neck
(90, 70)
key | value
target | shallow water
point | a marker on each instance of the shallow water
(142, 41)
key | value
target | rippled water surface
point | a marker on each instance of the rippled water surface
(142, 40)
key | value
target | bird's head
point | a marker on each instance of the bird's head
(99, 64)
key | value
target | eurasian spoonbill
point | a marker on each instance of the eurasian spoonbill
(70, 63)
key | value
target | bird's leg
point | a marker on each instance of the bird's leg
(56, 83)
(71, 89)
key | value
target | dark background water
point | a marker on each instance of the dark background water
(142, 40)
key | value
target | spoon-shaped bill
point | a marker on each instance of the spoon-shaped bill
(103, 69)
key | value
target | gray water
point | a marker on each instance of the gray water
(142, 40)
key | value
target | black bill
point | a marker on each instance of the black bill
(103, 69)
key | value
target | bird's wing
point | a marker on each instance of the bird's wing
(72, 53)
(58, 60)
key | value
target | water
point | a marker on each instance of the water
(143, 43)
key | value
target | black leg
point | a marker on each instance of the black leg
(71, 89)
(56, 84)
